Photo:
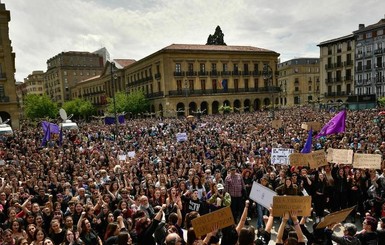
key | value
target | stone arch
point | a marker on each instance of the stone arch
(180, 109)
(215, 107)
(204, 108)
(257, 105)
(191, 108)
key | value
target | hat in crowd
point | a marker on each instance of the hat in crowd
(233, 167)
(220, 187)
(372, 222)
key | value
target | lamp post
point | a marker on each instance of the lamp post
(267, 76)
(113, 79)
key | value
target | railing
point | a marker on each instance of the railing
(157, 76)
(214, 73)
(191, 73)
(178, 74)
(202, 73)
(226, 73)
(197, 92)
(236, 73)
(4, 99)
(155, 95)
(3, 76)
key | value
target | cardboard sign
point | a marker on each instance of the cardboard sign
(329, 154)
(369, 161)
(317, 159)
(334, 218)
(276, 124)
(262, 195)
(316, 126)
(281, 204)
(281, 155)
(220, 218)
(131, 154)
(122, 157)
(299, 159)
(342, 156)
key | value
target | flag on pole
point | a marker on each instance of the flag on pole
(224, 85)
(47, 136)
(335, 125)
(308, 144)
(61, 136)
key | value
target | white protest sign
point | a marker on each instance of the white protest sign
(122, 157)
(281, 155)
(131, 154)
(181, 137)
(369, 161)
(262, 195)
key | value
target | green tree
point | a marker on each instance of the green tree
(217, 38)
(80, 108)
(134, 102)
(40, 106)
(381, 102)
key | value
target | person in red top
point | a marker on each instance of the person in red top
(235, 186)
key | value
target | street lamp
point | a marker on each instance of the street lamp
(267, 76)
(113, 79)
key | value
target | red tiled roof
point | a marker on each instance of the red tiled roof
(215, 48)
(124, 62)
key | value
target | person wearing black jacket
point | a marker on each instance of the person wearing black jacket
(340, 197)
(145, 227)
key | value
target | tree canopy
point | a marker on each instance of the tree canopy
(79, 108)
(40, 106)
(134, 102)
(216, 38)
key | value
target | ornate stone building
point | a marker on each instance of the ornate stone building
(8, 101)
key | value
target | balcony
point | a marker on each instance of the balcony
(191, 73)
(155, 95)
(328, 66)
(4, 99)
(246, 73)
(178, 74)
(347, 78)
(359, 69)
(338, 79)
(368, 67)
(203, 73)
(359, 56)
(348, 63)
(256, 73)
(236, 73)
(378, 51)
(338, 65)
(214, 73)
(226, 73)
(157, 76)
(330, 94)
(329, 80)
(205, 92)
(3, 76)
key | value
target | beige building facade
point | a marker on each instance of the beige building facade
(299, 80)
(199, 79)
(8, 101)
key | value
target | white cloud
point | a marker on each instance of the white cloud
(40, 29)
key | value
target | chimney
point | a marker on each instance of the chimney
(360, 26)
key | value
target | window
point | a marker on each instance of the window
(246, 67)
(179, 85)
(191, 85)
(213, 67)
(178, 67)
(214, 84)
(309, 88)
(190, 67)
(235, 67)
(246, 84)
(203, 84)
(202, 67)
(236, 85)
(255, 67)
(224, 67)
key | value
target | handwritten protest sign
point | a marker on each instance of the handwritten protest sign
(220, 218)
(180, 137)
(317, 159)
(342, 156)
(329, 155)
(370, 161)
(335, 217)
(281, 204)
(316, 126)
(122, 157)
(131, 154)
(299, 159)
(276, 124)
(262, 195)
(281, 155)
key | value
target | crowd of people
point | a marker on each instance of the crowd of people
(142, 186)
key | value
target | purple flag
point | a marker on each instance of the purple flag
(308, 144)
(47, 136)
(335, 125)
(53, 128)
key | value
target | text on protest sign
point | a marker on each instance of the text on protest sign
(282, 204)
(342, 156)
(316, 126)
(205, 223)
(262, 195)
(335, 218)
(281, 155)
(370, 161)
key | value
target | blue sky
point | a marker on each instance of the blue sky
(133, 29)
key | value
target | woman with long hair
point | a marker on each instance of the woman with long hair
(38, 236)
(87, 234)
(30, 232)
(320, 195)
(197, 185)
(17, 230)
(56, 233)
(124, 238)
(111, 232)
(71, 238)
